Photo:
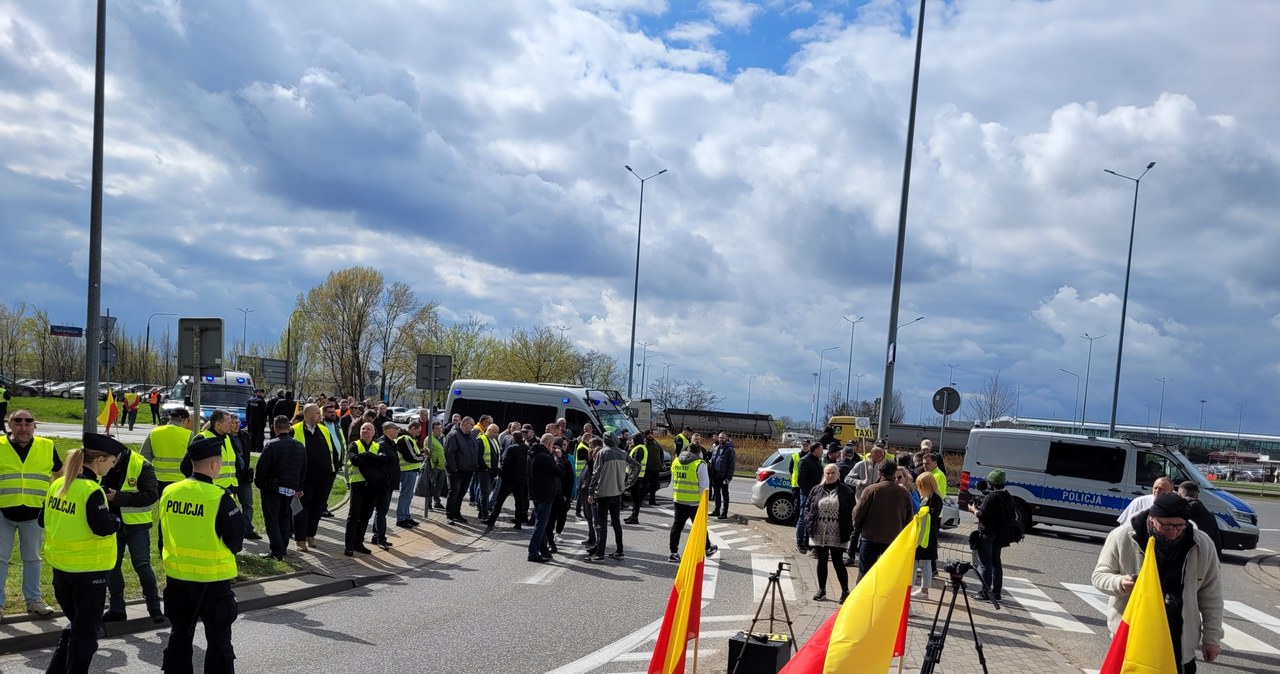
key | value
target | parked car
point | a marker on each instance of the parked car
(405, 416)
(772, 490)
(63, 390)
(16, 388)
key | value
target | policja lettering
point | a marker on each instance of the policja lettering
(184, 508)
(62, 505)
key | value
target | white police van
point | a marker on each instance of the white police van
(229, 392)
(1085, 482)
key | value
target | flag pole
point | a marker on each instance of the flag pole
(695, 654)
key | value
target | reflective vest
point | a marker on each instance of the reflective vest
(795, 469)
(643, 449)
(360, 449)
(227, 476)
(406, 466)
(681, 442)
(25, 483)
(300, 435)
(941, 478)
(684, 482)
(192, 549)
(488, 452)
(134, 515)
(581, 456)
(153, 398)
(168, 447)
(131, 400)
(69, 544)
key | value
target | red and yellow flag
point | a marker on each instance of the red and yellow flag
(684, 607)
(1141, 644)
(864, 634)
(110, 411)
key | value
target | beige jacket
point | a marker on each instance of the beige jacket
(1201, 589)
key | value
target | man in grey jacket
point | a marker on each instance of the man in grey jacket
(612, 473)
(461, 460)
(1189, 576)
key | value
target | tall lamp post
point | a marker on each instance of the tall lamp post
(817, 393)
(1124, 303)
(644, 370)
(1202, 402)
(857, 394)
(146, 348)
(853, 327)
(1160, 416)
(750, 380)
(830, 381)
(1239, 422)
(1017, 401)
(1075, 405)
(1088, 364)
(244, 330)
(635, 291)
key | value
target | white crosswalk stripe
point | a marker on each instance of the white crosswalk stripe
(1041, 607)
(761, 567)
(1253, 615)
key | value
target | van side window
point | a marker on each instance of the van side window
(1152, 465)
(1089, 462)
(575, 419)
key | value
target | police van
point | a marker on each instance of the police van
(229, 392)
(1085, 482)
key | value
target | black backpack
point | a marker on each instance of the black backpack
(1010, 531)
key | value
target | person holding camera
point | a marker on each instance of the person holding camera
(995, 512)
(829, 517)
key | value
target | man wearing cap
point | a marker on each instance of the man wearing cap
(27, 465)
(514, 478)
(389, 447)
(132, 490)
(1189, 576)
(410, 458)
(203, 530)
(994, 511)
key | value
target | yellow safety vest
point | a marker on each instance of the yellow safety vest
(413, 450)
(682, 442)
(69, 544)
(25, 483)
(301, 436)
(644, 457)
(488, 453)
(360, 449)
(684, 482)
(941, 478)
(227, 476)
(192, 549)
(134, 515)
(581, 455)
(168, 448)
(795, 469)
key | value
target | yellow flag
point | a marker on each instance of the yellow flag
(683, 617)
(110, 411)
(1141, 644)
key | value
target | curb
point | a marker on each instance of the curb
(48, 639)
(1264, 569)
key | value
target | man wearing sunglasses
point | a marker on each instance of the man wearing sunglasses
(27, 465)
(1189, 576)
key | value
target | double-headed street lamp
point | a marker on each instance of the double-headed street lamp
(1075, 405)
(1124, 303)
(244, 330)
(1160, 416)
(635, 291)
(853, 326)
(817, 393)
(1087, 366)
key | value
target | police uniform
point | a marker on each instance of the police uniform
(203, 530)
(80, 545)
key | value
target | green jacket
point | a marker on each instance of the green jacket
(437, 454)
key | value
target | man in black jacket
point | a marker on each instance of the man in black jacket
(281, 477)
(1205, 521)
(514, 471)
(544, 487)
(240, 442)
(808, 475)
(255, 415)
(132, 491)
(389, 451)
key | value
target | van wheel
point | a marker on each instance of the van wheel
(1023, 515)
(780, 509)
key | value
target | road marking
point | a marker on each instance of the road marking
(548, 574)
(761, 567)
(710, 573)
(1265, 550)
(1253, 615)
(609, 652)
(1233, 639)
(733, 541)
(750, 548)
(1041, 607)
(645, 657)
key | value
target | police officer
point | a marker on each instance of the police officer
(80, 545)
(221, 425)
(132, 492)
(203, 530)
(165, 446)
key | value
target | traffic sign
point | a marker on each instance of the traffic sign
(371, 390)
(107, 353)
(946, 400)
(208, 332)
(66, 330)
(275, 371)
(435, 371)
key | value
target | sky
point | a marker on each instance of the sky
(475, 151)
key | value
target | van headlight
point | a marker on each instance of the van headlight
(1244, 516)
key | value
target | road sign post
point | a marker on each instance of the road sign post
(434, 371)
(946, 401)
(199, 354)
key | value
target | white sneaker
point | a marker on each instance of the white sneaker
(39, 609)
(920, 594)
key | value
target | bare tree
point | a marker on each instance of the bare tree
(992, 400)
(597, 370)
(837, 406)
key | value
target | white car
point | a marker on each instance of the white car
(404, 417)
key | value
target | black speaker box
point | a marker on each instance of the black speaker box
(761, 653)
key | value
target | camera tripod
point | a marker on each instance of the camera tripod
(772, 594)
(933, 651)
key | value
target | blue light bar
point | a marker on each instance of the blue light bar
(564, 401)
(457, 391)
(209, 378)
(239, 380)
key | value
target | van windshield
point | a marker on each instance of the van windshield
(616, 421)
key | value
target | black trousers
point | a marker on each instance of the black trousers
(214, 604)
(82, 597)
(720, 494)
(653, 480)
(610, 506)
(359, 511)
(459, 484)
(638, 489)
(559, 515)
(842, 574)
(315, 498)
(277, 519)
(521, 491)
(684, 513)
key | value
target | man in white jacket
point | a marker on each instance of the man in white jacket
(1189, 576)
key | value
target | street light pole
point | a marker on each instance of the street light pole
(644, 372)
(830, 381)
(1074, 406)
(817, 393)
(1239, 422)
(1202, 402)
(92, 324)
(858, 392)
(1087, 366)
(1124, 303)
(635, 291)
(563, 329)
(853, 326)
(244, 330)
(146, 348)
(1160, 417)
(749, 382)
(1017, 402)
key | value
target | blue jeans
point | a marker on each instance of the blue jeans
(408, 482)
(139, 544)
(483, 481)
(30, 537)
(541, 519)
(802, 534)
(989, 566)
